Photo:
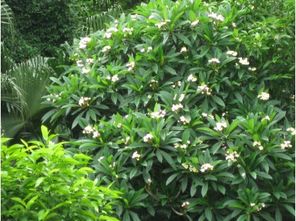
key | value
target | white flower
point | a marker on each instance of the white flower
(252, 204)
(264, 96)
(108, 35)
(85, 70)
(84, 101)
(185, 204)
(112, 29)
(181, 98)
(149, 49)
(134, 17)
(127, 31)
(214, 61)
(252, 69)
(204, 89)
(96, 134)
(79, 63)
(83, 42)
(191, 78)
(231, 53)
(106, 49)
(185, 165)
(231, 156)
(286, 144)
(177, 107)
(205, 167)
(220, 126)
(115, 78)
(158, 114)
(291, 130)
(160, 24)
(136, 155)
(130, 65)
(266, 118)
(184, 120)
(194, 23)
(216, 16)
(148, 138)
(149, 181)
(243, 61)
(183, 50)
(233, 25)
(89, 60)
(142, 50)
(88, 129)
(258, 145)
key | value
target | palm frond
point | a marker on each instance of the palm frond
(29, 80)
(6, 15)
(98, 21)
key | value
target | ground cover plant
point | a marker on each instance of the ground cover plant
(42, 181)
(186, 107)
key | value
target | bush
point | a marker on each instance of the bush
(180, 114)
(42, 181)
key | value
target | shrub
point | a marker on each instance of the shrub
(180, 115)
(42, 181)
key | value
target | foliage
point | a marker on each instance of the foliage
(42, 26)
(42, 181)
(22, 89)
(178, 104)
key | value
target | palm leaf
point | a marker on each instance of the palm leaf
(98, 21)
(29, 79)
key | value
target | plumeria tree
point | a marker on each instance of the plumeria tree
(179, 115)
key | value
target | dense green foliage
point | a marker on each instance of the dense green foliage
(42, 181)
(187, 105)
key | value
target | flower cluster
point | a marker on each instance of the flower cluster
(110, 31)
(136, 155)
(83, 42)
(91, 130)
(231, 156)
(158, 114)
(106, 49)
(177, 107)
(184, 120)
(84, 101)
(206, 167)
(216, 16)
(127, 31)
(183, 50)
(185, 204)
(258, 207)
(204, 89)
(286, 144)
(182, 146)
(207, 115)
(220, 126)
(161, 24)
(258, 145)
(130, 66)
(148, 138)
(214, 61)
(194, 23)
(191, 78)
(243, 61)
(264, 96)
(291, 130)
(190, 167)
(252, 69)
(231, 53)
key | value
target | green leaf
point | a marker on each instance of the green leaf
(171, 178)
(219, 101)
(44, 132)
(204, 189)
(39, 181)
